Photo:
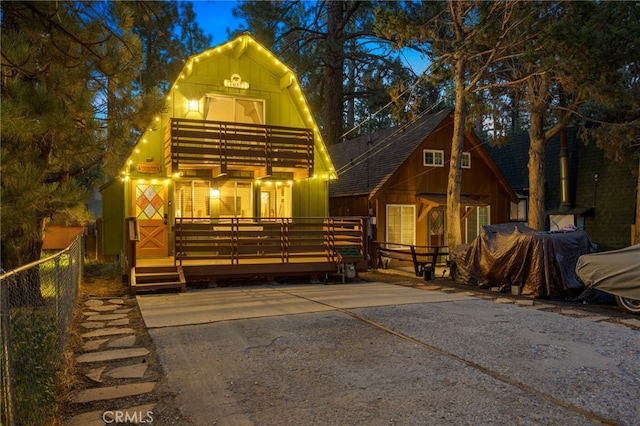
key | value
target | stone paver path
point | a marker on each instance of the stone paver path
(115, 366)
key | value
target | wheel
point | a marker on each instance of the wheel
(631, 306)
(458, 275)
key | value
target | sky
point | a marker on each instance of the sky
(214, 17)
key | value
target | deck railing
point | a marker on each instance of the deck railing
(218, 144)
(278, 240)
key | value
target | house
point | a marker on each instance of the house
(235, 149)
(600, 195)
(398, 177)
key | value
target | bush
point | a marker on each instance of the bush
(34, 340)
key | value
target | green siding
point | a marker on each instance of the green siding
(269, 80)
(113, 217)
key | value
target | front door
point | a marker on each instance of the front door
(150, 210)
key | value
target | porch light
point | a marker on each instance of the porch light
(214, 193)
(193, 105)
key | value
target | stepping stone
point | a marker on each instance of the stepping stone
(96, 374)
(113, 392)
(106, 317)
(503, 300)
(142, 414)
(123, 311)
(93, 302)
(122, 342)
(123, 321)
(93, 324)
(105, 308)
(116, 301)
(135, 371)
(631, 321)
(524, 302)
(93, 345)
(112, 355)
(107, 332)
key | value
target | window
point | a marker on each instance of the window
(275, 199)
(518, 212)
(236, 199)
(478, 218)
(193, 199)
(236, 110)
(433, 157)
(466, 160)
(401, 221)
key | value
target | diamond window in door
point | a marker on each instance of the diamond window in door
(149, 201)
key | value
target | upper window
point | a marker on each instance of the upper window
(466, 160)
(236, 110)
(433, 157)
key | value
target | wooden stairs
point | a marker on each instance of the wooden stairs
(149, 278)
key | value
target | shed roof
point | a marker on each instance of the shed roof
(364, 162)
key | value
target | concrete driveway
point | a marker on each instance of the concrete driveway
(377, 353)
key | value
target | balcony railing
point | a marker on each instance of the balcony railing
(223, 146)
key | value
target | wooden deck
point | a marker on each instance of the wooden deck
(212, 249)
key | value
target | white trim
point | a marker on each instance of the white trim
(466, 155)
(435, 153)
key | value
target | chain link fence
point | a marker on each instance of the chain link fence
(36, 308)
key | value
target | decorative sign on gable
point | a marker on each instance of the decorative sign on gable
(149, 168)
(236, 82)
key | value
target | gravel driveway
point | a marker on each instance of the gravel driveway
(457, 360)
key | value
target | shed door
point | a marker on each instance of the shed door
(150, 210)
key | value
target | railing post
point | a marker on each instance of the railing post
(57, 286)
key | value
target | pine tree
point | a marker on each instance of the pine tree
(69, 107)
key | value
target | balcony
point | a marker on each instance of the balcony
(224, 146)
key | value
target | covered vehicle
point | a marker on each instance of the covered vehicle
(615, 272)
(537, 263)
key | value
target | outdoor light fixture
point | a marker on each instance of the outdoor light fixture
(193, 105)
(214, 193)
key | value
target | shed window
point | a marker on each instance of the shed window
(401, 222)
(433, 157)
(479, 217)
(466, 160)
(518, 211)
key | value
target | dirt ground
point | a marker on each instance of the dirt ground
(105, 281)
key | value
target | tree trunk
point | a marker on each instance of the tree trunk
(536, 171)
(333, 75)
(24, 290)
(454, 227)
